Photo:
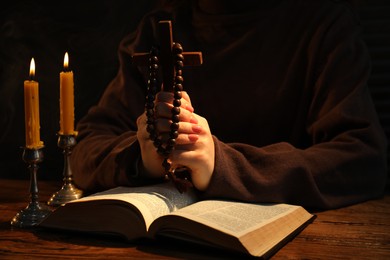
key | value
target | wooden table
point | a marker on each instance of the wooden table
(357, 232)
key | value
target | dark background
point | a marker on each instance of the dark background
(90, 31)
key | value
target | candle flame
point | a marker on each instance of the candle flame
(32, 68)
(66, 61)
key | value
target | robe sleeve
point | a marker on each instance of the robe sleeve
(108, 151)
(346, 161)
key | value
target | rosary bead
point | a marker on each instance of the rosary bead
(150, 98)
(166, 165)
(149, 105)
(157, 142)
(175, 126)
(178, 87)
(179, 64)
(177, 94)
(179, 79)
(153, 59)
(153, 70)
(149, 112)
(152, 81)
(171, 142)
(150, 121)
(177, 48)
(170, 145)
(174, 134)
(175, 110)
(160, 150)
(150, 128)
(166, 152)
(180, 57)
(175, 118)
(177, 102)
(153, 90)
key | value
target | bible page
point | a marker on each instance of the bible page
(234, 217)
(152, 201)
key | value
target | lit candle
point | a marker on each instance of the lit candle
(66, 99)
(31, 110)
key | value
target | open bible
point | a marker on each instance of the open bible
(159, 211)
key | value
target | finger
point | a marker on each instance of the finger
(186, 97)
(164, 110)
(184, 157)
(181, 139)
(141, 120)
(164, 96)
(164, 126)
(186, 101)
(141, 125)
(168, 97)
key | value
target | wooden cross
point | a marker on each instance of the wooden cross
(165, 55)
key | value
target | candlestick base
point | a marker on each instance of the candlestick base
(31, 216)
(68, 191)
(35, 212)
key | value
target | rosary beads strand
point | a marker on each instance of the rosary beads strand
(181, 177)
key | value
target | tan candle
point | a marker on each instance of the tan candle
(66, 99)
(31, 108)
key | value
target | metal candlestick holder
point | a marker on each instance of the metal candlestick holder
(68, 190)
(35, 212)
